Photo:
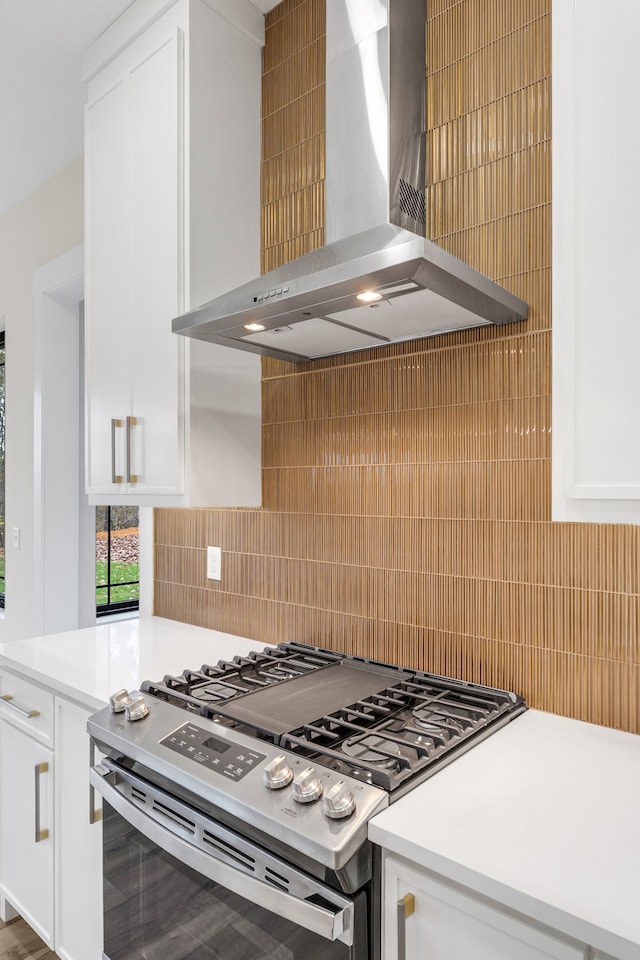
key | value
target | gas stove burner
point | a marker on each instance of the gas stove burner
(278, 673)
(213, 693)
(426, 717)
(425, 737)
(369, 750)
(432, 722)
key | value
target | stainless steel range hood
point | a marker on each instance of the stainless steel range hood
(375, 215)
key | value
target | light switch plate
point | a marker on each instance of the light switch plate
(214, 563)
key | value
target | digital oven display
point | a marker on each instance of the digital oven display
(230, 760)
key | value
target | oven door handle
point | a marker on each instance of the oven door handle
(332, 925)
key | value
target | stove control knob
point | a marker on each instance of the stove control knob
(339, 802)
(119, 701)
(137, 709)
(277, 774)
(306, 786)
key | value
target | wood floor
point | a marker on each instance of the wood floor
(19, 942)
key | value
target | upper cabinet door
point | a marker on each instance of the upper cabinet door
(157, 383)
(135, 384)
(172, 207)
(596, 252)
(108, 297)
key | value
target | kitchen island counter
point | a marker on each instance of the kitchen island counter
(89, 665)
(543, 818)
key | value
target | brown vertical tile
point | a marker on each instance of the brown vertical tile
(407, 490)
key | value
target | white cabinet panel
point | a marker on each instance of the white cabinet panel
(449, 924)
(596, 200)
(172, 140)
(134, 364)
(107, 229)
(50, 851)
(78, 842)
(157, 388)
(26, 828)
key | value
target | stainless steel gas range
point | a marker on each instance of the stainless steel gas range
(237, 796)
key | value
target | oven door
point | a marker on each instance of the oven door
(177, 884)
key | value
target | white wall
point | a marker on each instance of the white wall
(41, 228)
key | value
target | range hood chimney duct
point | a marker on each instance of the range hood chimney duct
(375, 216)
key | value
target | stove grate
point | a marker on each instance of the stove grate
(404, 729)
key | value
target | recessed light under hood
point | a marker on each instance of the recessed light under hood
(375, 216)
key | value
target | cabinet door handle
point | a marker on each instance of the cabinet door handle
(23, 711)
(406, 906)
(94, 815)
(41, 834)
(131, 477)
(115, 477)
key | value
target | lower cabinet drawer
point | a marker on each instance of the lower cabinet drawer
(27, 706)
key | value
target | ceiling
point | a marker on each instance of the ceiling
(41, 94)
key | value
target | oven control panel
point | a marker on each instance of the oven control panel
(228, 759)
(234, 761)
(307, 806)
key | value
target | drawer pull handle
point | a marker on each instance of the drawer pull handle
(115, 477)
(41, 834)
(94, 815)
(131, 477)
(23, 711)
(406, 906)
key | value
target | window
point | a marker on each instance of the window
(117, 560)
(2, 532)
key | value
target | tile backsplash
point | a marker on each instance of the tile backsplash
(406, 490)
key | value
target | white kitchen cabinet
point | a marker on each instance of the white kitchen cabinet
(596, 201)
(172, 219)
(50, 843)
(449, 923)
(135, 373)
(26, 810)
(77, 841)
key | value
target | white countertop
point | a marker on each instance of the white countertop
(543, 817)
(89, 665)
